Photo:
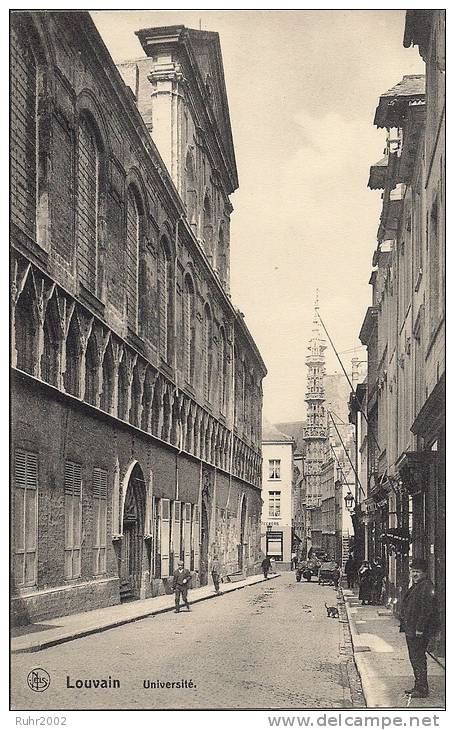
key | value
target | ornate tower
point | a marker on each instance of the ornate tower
(315, 431)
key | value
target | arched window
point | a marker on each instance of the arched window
(136, 397)
(244, 393)
(50, 358)
(71, 376)
(208, 351)
(25, 335)
(147, 394)
(108, 380)
(24, 133)
(219, 262)
(207, 228)
(166, 301)
(133, 233)
(190, 191)
(88, 195)
(123, 390)
(91, 372)
(189, 329)
(223, 369)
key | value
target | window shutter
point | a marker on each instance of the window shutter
(196, 537)
(132, 258)
(87, 205)
(99, 483)
(23, 135)
(73, 479)
(176, 532)
(165, 527)
(187, 538)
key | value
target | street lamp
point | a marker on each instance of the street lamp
(349, 501)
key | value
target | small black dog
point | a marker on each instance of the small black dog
(332, 611)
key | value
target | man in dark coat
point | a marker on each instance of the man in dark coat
(419, 621)
(182, 578)
(266, 566)
(350, 571)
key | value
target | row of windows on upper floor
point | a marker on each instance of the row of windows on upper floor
(126, 222)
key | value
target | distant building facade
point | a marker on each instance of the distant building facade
(278, 496)
(136, 386)
(404, 328)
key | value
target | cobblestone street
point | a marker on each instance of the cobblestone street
(268, 646)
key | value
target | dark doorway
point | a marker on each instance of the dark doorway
(132, 546)
(204, 556)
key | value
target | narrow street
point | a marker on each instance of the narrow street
(268, 646)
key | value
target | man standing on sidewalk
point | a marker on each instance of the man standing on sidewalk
(266, 566)
(216, 573)
(182, 578)
(419, 621)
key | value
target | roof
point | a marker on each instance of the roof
(417, 29)
(203, 53)
(271, 433)
(378, 174)
(295, 430)
(369, 322)
(393, 103)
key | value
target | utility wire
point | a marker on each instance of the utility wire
(370, 431)
(347, 454)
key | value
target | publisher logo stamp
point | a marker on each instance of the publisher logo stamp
(38, 680)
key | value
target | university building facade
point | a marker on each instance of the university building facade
(136, 385)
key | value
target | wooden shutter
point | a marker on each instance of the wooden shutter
(87, 205)
(25, 517)
(176, 531)
(23, 135)
(99, 483)
(73, 518)
(196, 537)
(165, 527)
(132, 258)
(187, 538)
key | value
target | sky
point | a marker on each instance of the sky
(303, 87)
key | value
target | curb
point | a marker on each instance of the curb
(79, 634)
(351, 669)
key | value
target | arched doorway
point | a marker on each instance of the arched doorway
(132, 545)
(204, 556)
(241, 546)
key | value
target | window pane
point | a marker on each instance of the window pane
(68, 521)
(30, 560)
(102, 560)
(68, 563)
(19, 519)
(19, 569)
(30, 520)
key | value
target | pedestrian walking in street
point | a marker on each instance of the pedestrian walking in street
(266, 566)
(350, 571)
(419, 619)
(293, 561)
(182, 579)
(377, 575)
(216, 573)
(365, 582)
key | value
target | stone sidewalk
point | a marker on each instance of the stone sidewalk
(66, 628)
(381, 657)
